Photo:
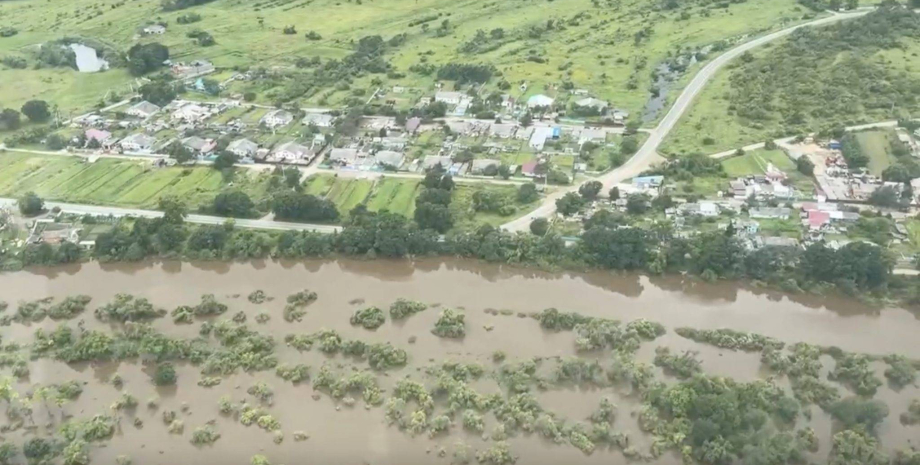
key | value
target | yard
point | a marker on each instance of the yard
(875, 145)
(114, 182)
(394, 194)
(755, 163)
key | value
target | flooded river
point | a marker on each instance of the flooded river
(495, 298)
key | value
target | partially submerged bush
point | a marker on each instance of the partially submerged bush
(368, 318)
(403, 308)
(450, 324)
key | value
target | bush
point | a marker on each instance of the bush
(368, 318)
(165, 375)
(403, 308)
(450, 324)
(30, 204)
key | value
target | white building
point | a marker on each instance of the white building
(155, 29)
(389, 158)
(292, 151)
(450, 98)
(191, 113)
(540, 100)
(539, 136)
(243, 148)
(592, 102)
(277, 118)
(343, 156)
(143, 109)
(199, 145)
(139, 142)
(320, 120)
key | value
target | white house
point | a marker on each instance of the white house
(539, 100)
(243, 148)
(389, 158)
(591, 102)
(191, 113)
(320, 120)
(143, 109)
(277, 118)
(155, 29)
(450, 98)
(292, 151)
(539, 136)
(139, 142)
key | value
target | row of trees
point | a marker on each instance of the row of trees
(38, 111)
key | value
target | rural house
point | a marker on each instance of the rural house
(292, 151)
(320, 120)
(191, 113)
(592, 102)
(539, 100)
(450, 98)
(98, 135)
(199, 145)
(277, 118)
(155, 29)
(138, 142)
(343, 156)
(143, 110)
(243, 148)
(480, 165)
(389, 158)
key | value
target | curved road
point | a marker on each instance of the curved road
(647, 154)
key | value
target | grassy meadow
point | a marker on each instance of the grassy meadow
(593, 45)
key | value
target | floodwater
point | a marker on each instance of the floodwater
(88, 61)
(343, 434)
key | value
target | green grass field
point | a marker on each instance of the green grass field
(755, 162)
(116, 182)
(589, 44)
(875, 145)
(711, 125)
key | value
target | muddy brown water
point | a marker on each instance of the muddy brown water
(342, 434)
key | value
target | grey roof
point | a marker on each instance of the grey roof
(413, 123)
(319, 119)
(243, 145)
(481, 164)
(144, 107)
(140, 139)
(389, 157)
(292, 147)
(433, 160)
(592, 102)
(195, 142)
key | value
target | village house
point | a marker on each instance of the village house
(480, 165)
(529, 169)
(591, 102)
(102, 137)
(143, 110)
(155, 29)
(343, 156)
(320, 120)
(391, 143)
(292, 152)
(191, 113)
(138, 142)
(503, 130)
(199, 145)
(277, 118)
(644, 183)
(432, 161)
(777, 213)
(191, 70)
(412, 124)
(705, 209)
(450, 98)
(243, 148)
(389, 158)
(539, 100)
(539, 136)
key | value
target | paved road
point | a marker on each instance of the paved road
(647, 155)
(194, 218)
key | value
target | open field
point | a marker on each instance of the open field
(592, 46)
(876, 146)
(755, 162)
(116, 182)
